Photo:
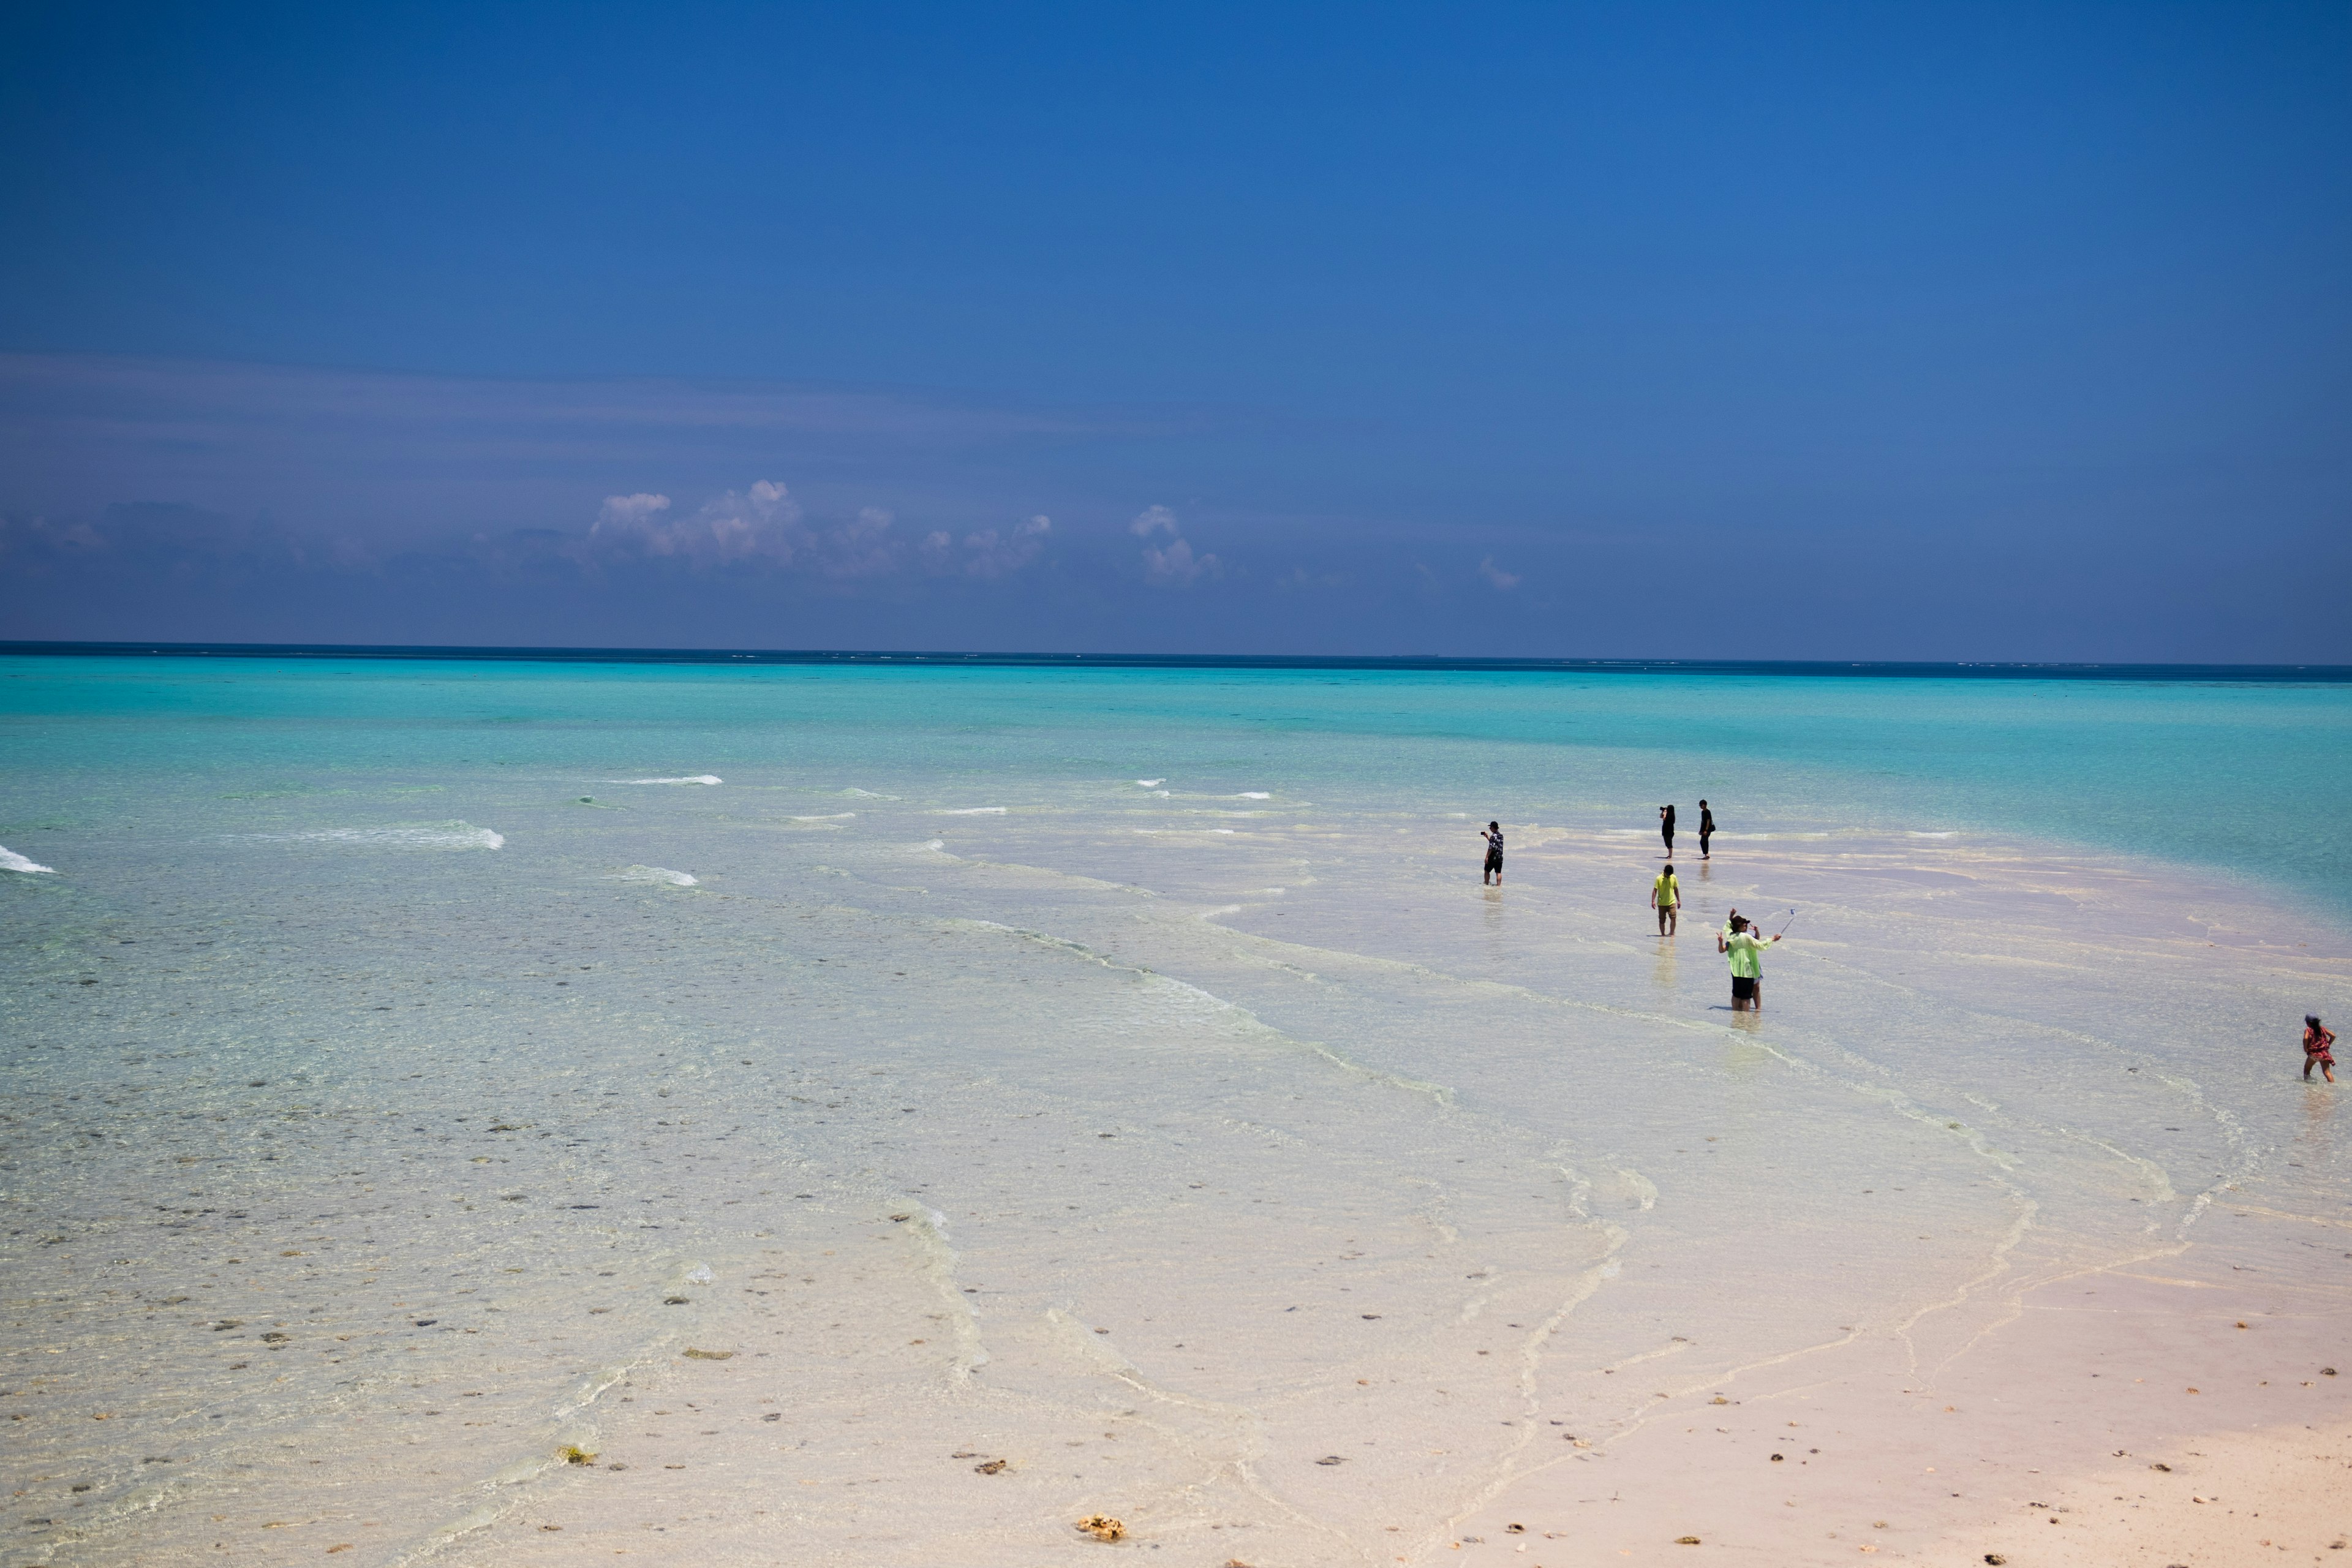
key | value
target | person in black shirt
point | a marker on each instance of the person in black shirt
(1493, 837)
(1706, 828)
(1666, 827)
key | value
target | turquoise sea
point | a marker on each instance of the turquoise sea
(2234, 775)
(801, 1086)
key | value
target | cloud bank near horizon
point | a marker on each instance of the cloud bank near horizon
(166, 501)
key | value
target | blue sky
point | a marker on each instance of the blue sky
(1869, 332)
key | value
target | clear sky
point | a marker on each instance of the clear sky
(1778, 331)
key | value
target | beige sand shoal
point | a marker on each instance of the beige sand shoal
(2183, 1410)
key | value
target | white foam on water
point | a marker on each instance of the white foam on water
(1150, 783)
(1933, 836)
(1254, 794)
(835, 816)
(413, 836)
(655, 874)
(972, 811)
(867, 793)
(12, 861)
(689, 779)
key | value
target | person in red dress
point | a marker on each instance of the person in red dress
(2317, 1039)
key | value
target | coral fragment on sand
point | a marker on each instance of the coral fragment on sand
(1102, 1527)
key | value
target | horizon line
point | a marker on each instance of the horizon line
(2045, 670)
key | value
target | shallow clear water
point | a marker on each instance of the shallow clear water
(1123, 1075)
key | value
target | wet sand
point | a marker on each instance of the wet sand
(2180, 1409)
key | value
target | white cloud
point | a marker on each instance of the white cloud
(995, 555)
(1504, 581)
(858, 549)
(761, 524)
(1177, 566)
(986, 553)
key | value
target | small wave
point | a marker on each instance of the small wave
(655, 874)
(689, 779)
(416, 836)
(836, 816)
(972, 811)
(1150, 783)
(1254, 794)
(1934, 836)
(868, 794)
(12, 861)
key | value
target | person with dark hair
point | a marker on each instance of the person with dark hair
(1666, 827)
(1666, 898)
(2317, 1041)
(1747, 953)
(1493, 837)
(1706, 828)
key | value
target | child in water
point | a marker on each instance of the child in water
(2316, 1040)
(1493, 837)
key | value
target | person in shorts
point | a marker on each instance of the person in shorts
(1493, 837)
(1746, 950)
(1666, 898)
(2318, 1041)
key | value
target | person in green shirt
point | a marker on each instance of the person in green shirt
(1666, 898)
(1746, 950)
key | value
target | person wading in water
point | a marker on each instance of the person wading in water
(1666, 898)
(1493, 837)
(1706, 828)
(1747, 953)
(1666, 828)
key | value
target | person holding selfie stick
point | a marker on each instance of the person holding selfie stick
(1746, 953)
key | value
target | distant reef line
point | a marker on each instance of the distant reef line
(1361, 663)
